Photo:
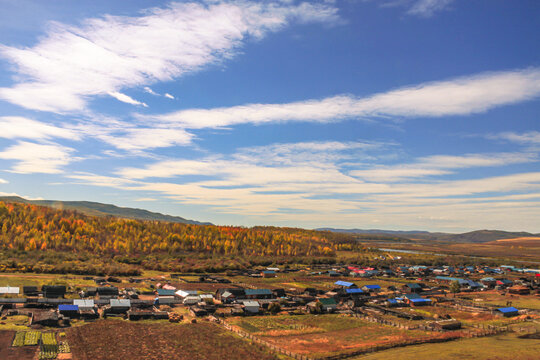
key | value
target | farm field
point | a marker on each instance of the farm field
(7, 352)
(118, 339)
(326, 335)
(466, 317)
(494, 298)
(500, 347)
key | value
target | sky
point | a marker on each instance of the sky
(387, 114)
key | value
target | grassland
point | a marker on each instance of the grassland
(326, 335)
(494, 298)
(500, 347)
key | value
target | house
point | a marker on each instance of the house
(87, 308)
(53, 291)
(107, 291)
(504, 283)
(166, 292)
(411, 288)
(30, 290)
(451, 324)
(371, 288)
(345, 284)
(48, 318)
(191, 299)
(231, 294)
(354, 292)
(119, 306)
(416, 300)
(508, 311)
(519, 290)
(9, 290)
(70, 311)
(328, 304)
(258, 294)
(489, 282)
(268, 274)
(182, 294)
(251, 306)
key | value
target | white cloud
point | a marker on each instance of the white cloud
(37, 158)
(460, 96)
(437, 165)
(12, 127)
(125, 98)
(111, 53)
(427, 8)
(169, 96)
(146, 138)
(526, 138)
(150, 91)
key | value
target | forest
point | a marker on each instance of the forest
(41, 239)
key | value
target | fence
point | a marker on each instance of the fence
(463, 334)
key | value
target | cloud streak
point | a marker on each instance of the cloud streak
(455, 97)
(110, 53)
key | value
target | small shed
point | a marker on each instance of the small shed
(508, 311)
(30, 290)
(118, 306)
(259, 294)
(371, 288)
(191, 299)
(182, 294)
(69, 310)
(165, 292)
(345, 284)
(9, 290)
(251, 306)
(451, 324)
(268, 274)
(328, 304)
(53, 291)
(354, 292)
(411, 288)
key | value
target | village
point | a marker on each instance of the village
(416, 304)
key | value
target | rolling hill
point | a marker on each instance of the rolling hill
(478, 236)
(99, 209)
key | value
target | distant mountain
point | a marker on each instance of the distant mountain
(478, 236)
(99, 209)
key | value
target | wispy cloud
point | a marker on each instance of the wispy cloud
(110, 53)
(460, 96)
(169, 96)
(13, 127)
(125, 98)
(427, 8)
(437, 165)
(37, 158)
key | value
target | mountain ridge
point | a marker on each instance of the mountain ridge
(476, 236)
(100, 209)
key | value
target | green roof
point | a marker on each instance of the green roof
(328, 301)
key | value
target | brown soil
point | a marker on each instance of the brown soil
(7, 352)
(116, 339)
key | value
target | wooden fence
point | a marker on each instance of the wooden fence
(370, 349)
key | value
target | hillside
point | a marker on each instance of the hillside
(43, 239)
(99, 209)
(478, 236)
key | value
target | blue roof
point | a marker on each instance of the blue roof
(166, 292)
(354, 291)
(68, 308)
(343, 283)
(258, 292)
(508, 309)
(392, 301)
(372, 286)
(420, 300)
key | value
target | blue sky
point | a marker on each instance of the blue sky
(398, 114)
